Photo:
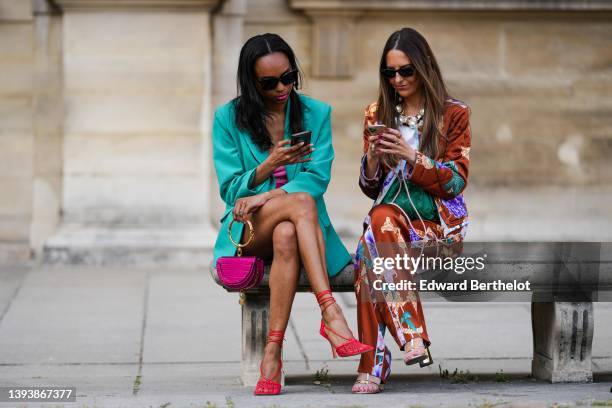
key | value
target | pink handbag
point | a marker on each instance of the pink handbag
(240, 272)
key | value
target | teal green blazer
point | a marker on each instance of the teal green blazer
(236, 157)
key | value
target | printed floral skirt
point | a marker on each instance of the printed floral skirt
(387, 234)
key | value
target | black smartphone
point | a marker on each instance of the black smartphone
(301, 137)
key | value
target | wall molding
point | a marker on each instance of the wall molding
(138, 4)
(333, 22)
(454, 5)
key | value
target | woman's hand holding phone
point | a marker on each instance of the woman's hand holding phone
(373, 138)
(391, 142)
(282, 155)
(373, 155)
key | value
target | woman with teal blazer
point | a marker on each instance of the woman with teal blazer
(279, 189)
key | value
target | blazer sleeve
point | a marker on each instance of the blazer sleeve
(314, 176)
(234, 180)
(447, 177)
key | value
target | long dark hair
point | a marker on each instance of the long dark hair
(251, 111)
(433, 89)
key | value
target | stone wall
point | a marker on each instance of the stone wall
(134, 88)
(105, 113)
(105, 109)
(538, 80)
(137, 99)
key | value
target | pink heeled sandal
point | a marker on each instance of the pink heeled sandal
(419, 355)
(358, 386)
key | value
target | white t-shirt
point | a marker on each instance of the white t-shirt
(410, 136)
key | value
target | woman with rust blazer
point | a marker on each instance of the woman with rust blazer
(415, 168)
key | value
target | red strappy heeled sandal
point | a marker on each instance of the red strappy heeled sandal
(351, 347)
(265, 386)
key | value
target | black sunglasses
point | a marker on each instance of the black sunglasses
(269, 83)
(405, 72)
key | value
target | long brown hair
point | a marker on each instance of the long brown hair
(433, 90)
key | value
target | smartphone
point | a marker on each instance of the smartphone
(376, 128)
(301, 137)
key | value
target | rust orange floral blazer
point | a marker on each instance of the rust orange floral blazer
(443, 177)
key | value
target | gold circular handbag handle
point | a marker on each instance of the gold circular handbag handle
(239, 245)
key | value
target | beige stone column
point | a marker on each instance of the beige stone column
(47, 123)
(137, 92)
(17, 58)
(228, 37)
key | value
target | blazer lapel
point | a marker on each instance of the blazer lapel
(258, 154)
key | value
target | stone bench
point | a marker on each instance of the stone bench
(561, 315)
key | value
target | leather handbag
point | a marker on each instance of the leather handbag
(239, 272)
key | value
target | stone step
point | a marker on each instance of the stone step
(125, 245)
(15, 253)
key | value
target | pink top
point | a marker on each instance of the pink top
(280, 174)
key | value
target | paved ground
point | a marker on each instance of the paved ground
(170, 338)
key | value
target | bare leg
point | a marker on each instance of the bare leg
(321, 242)
(284, 275)
(300, 209)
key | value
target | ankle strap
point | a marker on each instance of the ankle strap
(325, 299)
(276, 336)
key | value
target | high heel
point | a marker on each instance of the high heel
(352, 346)
(265, 386)
(428, 360)
(419, 355)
